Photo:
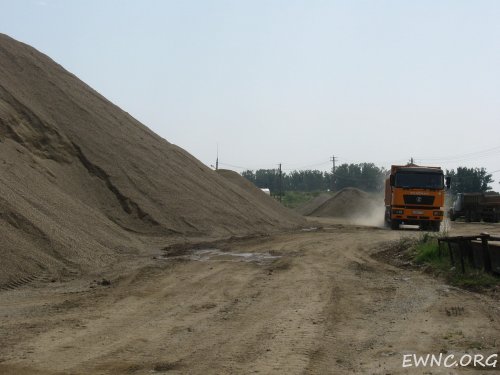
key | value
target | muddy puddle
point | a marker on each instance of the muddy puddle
(204, 255)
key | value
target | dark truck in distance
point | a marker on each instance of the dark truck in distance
(476, 207)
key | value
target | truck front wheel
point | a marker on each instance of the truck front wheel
(395, 224)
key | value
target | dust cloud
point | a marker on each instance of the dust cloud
(373, 215)
(353, 206)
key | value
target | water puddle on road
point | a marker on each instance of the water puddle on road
(204, 255)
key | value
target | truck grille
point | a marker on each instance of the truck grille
(418, 199)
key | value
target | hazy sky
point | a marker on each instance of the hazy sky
(288, 81)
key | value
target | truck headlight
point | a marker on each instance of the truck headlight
(397, 212)
(438, 213)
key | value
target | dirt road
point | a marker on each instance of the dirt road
(298, 303)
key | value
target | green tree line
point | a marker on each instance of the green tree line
(364, 176)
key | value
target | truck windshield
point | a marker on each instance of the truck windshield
(420, 180)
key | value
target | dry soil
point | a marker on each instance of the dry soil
(308, 302)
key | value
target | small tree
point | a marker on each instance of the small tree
(267, 178)
(364, 176)
(469, 180)
(249, 175)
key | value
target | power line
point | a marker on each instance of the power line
(466, 156)
(319, 162)
(346, 161)
(286, 169)
(233, 166)
(314, 165)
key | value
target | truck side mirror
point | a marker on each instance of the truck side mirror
(391, 179)
(448, 182)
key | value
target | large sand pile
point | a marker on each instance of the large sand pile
(82, 181)
(311, 205)
(353, 205)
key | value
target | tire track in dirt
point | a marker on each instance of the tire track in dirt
(326, 306)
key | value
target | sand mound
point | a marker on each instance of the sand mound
(310, 206)
(82, 181)
(350, 203)
(259, 198)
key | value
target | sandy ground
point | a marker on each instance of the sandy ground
(308, 302)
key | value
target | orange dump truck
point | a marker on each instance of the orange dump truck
(414, 195)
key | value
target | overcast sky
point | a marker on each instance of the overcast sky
(290, 82)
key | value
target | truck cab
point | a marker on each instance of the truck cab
(414, 195)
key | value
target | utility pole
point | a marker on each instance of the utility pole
(217, 160)
(332, 159)
(280, 184)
